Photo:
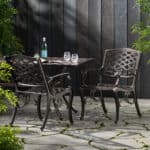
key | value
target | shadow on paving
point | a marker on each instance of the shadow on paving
(96, 131)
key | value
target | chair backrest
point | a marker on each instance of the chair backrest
(124, 61)
(26, 69)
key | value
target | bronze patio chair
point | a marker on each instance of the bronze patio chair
(30, 78)
(117, 76)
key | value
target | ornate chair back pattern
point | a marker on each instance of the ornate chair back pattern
(26, 69)
(124, 61)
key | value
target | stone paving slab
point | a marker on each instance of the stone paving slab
(96, 132)
(63, 141)
(42, 147)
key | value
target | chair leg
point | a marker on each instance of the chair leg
(103, 103)
(47, 112)
(73, 109)
(136, 104)
(14, 114)
(117, 103)
(39, 107)
(57, 110)
(70, 107)
(81, 92)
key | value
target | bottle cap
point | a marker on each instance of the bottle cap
(36, 56)
(44, 39)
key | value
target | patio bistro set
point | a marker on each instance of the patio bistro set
(117, 76)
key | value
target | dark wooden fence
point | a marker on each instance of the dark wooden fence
(86, 26)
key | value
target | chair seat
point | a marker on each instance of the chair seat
(109, 87)
(112, 87)
(105, 87)
(100, 86)
(123, 88)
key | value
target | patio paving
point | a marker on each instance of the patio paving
(96, 132)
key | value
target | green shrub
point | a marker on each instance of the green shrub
(143, 27)
(5, 94)
(8, 140)
(5, 72)
(9, 43)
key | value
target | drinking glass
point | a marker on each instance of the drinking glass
(67, 56)
(74, 58)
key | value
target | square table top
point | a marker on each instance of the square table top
(61, 62)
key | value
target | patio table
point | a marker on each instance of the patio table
(68, 66)
(73, 68)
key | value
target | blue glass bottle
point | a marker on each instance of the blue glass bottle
(44, 48)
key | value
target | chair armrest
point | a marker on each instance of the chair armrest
(118, 76)
(58, 75)
(62, 78)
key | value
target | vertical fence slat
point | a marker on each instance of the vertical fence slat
(144, 79)
(107, 24)
(134, 17)
(82, 27)
(94, 35)
(120, 23)
(21, 22)
(57, 27)
(69, 24)
(94, 22)
(30, 49)
(42, 19)
(50, 50)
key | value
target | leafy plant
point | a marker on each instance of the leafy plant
(143, 27)
(9, 43)
(5, 94)
(8, 140)
(5, 72)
